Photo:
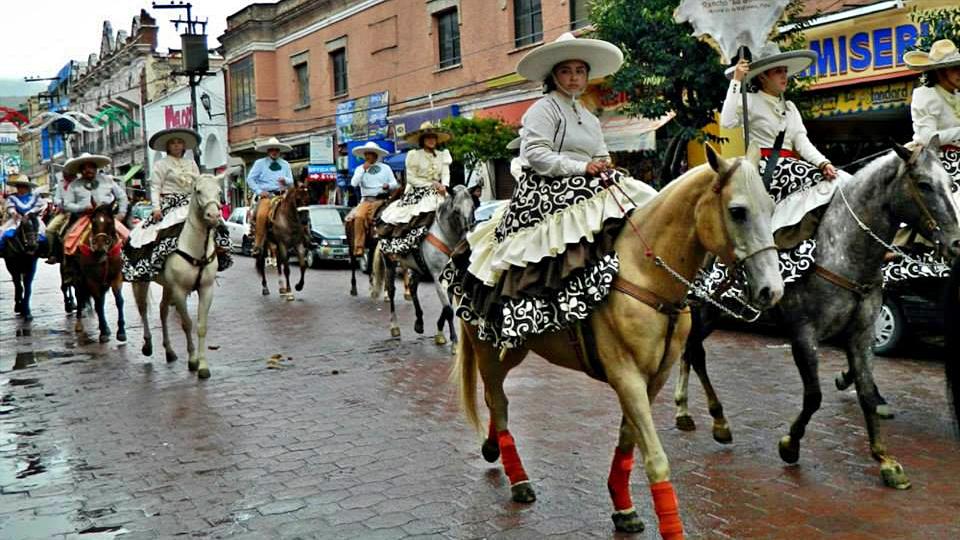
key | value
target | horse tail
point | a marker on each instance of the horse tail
(464, 374)
(378, 271)
(951, 311)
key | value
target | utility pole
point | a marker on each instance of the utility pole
(195, 56)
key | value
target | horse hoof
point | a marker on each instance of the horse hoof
(193, 365)
(789, 450)
(147, 349)
(395, 332)
(27, 316)
(439, 339)
(686, 423)
(122, 337)
(289, 297)
(841, 382)
(171, 356)
(17, 308)
(722, 434)
(885, 411)
(265, 292)
(418, 327)
(69, 306)
(893, 475)
(522, 493)
(353, 292)
(203, 373)
(104, 338)
(629, 522)
(490, 450)
(298, 287)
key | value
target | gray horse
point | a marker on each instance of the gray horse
(843, 296)
(454, 218)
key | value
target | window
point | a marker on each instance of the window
(338, 59)
(527, 23)
(579, 13)
(242, 100)
(448, 34)
(302, 72)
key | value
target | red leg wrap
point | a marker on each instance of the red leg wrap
(510, 458)
(619, 480)
(668, 512)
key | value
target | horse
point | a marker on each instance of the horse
(192, 267)
(453, 219)
(842, 296)
(96, 267)
(285, 231)
(20, 256)
(369, 246)
(720, 207)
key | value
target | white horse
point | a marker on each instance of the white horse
(192, 267)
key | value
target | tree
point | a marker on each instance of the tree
(478, 140)
(944, 24)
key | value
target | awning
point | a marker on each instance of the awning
(130, 174)
(511, 113)
(629, 134)
(396, 161)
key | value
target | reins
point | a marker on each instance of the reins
(203, 262)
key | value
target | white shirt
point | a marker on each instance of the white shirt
(559, 137)
(371, 181)
(769, 116)
(933, 115)
(424, 168)
(171, 175)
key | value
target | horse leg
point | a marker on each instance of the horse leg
(859, 356)
(100, 303)
(407, 295)
(17, 290)
(390, 277)
(179, 298)
(261, 269)
(721, 429)
(446, 316)
(118, 300)
(171, 355)
(353, 272)
(141, 295)
(27, 277)
(804, 346)
(683, 420)
(417, 309)
(281, 267)
(203, 310)
(69, 304)
(625, 517)
(632, 390)
(83, 297)
(303, 267)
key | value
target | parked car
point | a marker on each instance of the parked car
(911, 308)
(239, 227)
(139, 212)
(327, 233)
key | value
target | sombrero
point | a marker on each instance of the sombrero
(514, 144)
(770, 57)
(604, 58)
(943, 54)
(428, 128)
(159, 140)
(72, 166)
(20, 180)
(369, 147)
(272, 142)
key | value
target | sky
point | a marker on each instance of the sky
(45, 34)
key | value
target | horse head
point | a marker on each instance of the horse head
(28, 231)
(734, 221)
(103, 229)
(456, 212)
(922, 195)
(205, 201)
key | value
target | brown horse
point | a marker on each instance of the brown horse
(96, 268)
(369, 245)
(640, 330)
(285, 231)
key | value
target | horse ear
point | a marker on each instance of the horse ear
(753, 154)
(717, 163)
(934, 143)
(905, 154)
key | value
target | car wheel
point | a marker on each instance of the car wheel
(310, 259)
(246, 245)
(888, 329)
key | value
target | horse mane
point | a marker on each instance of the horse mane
(888, 164)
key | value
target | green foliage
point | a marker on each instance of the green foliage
(944, 24)
(478, 140)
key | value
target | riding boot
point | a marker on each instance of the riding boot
(54, 248)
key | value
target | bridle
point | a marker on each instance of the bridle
(204, 260)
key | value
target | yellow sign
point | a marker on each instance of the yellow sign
(868, 47)
(856, 100)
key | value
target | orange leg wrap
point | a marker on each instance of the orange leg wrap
(510, 458)
(618, 483)
(668, 512)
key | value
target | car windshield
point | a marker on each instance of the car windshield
(324, 216)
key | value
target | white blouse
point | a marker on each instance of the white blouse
(171, 175)
(559, 137)
(768, 116)
(423, 168)
(933, 115)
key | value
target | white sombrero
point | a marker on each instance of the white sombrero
(20, 180)
(514, 144)
(271, 143)
(943, 54)
(604, 58)
(72, 166)
(190, 138)
(428, 128)
(369, 147)
(770, 57)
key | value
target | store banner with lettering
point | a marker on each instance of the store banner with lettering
(363, 119)
(732, 23)
(321, 149)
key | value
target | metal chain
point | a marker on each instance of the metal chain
(707, 297)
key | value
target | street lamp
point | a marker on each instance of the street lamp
(205, 101)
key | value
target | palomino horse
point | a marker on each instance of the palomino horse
(284, 231)
(721, 208)
(454, 218)
(192, 267)
(842, 296)
(96, 268)
(20, 255)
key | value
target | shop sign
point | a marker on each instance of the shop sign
(874, 98)
(321, 149)
(321, 173)
(363, 118)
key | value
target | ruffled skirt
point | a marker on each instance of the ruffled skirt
(405, 222)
